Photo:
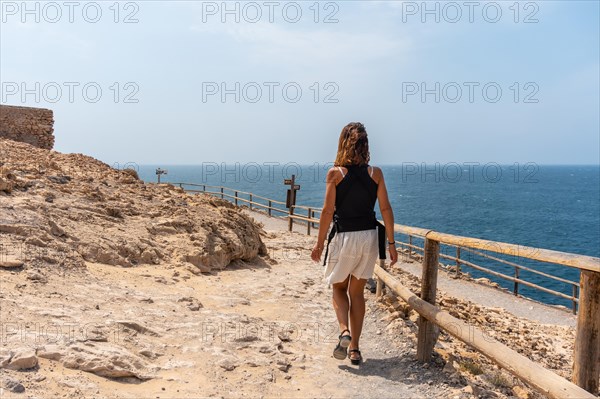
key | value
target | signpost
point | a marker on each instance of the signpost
(290, 200)
(159, 172)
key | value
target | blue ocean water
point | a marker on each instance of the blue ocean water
(541, 206)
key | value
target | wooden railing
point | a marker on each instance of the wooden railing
(268, 205)
(431, 318)
(415, 251)
(586, 363)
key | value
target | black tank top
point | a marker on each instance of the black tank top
(355, 200)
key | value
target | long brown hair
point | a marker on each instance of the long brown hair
(353, 146)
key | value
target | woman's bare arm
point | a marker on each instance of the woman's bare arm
(386, 213)
(326, 214)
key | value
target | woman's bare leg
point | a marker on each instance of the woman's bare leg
(357, 309)
(341, 303)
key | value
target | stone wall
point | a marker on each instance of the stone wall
(28, 125)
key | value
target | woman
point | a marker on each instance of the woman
(352, 188)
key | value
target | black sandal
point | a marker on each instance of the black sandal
(356, 362)
(341, 349)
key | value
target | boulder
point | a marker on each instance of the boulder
(10, 263)
(105, 360)
(6, 185)
(22, 359)
(13, 385)
(5, 356)
(52, 352)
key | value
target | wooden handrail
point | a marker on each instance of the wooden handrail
(306, 208)
(305, 219)
(581, 262)
(513, 279)
(562, 280)
(224, 188)
(266, 199)
(573, 297)
(487, 256)
(410, 230)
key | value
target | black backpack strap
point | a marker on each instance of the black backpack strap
(329, 238)
(381, 239)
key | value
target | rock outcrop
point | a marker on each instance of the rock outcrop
(62, 210)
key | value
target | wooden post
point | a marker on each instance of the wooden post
(378, 288)
(290, 218)
(250, 203)
(236, 202)
(270, 206)
(586, 356)
(308, 222)
(409, 246)
(574, 297)
(222, 193)
(457, 261)
(516, 283)
(428, 331)
(291, 199)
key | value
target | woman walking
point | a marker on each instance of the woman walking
(352, 188)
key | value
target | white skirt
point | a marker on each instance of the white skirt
(352, 253)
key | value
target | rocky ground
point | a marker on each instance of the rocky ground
(110, 287)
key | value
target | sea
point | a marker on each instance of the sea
(541, 206)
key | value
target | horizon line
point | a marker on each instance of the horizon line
(466, 163)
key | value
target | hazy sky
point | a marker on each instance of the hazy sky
(186, 82)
